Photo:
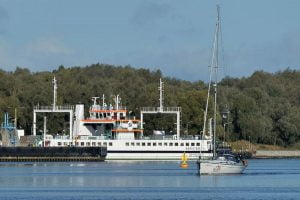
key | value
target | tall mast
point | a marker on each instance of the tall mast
(216, 66)
(213, 74)
(212, 67)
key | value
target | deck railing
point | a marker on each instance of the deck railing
(159, 109)
(98, 107)
(66, 107)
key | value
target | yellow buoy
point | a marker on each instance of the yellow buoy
(184, 159)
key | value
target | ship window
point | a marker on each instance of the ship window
(170, 144)
(198, 144)
(154, 144)
(143, 144)
(192, 144)
(182, 144)
(110, 144)
(165, 144)
(88, 144)
(187, 144)
(132, 143)
(148, 144)
(159, 144)
(65, 144)
(81, 143)
(176, 144)
(99, 143)
(59, 143)
(127, 144)
(76, 143)
(93, 143)
(138, 144)
(104, 144)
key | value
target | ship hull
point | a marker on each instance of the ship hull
(154, 155)
(45, 154)
(144, 149)
(217, 167)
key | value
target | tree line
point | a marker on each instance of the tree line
(264, 107)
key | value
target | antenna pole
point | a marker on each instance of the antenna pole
(54, 92)
(161, 91)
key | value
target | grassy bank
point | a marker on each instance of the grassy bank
(243, 145)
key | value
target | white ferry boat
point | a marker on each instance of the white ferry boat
(111, 126)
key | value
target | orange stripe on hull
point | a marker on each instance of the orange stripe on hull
(108, 111)
(127, 120)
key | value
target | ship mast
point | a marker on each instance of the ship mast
(214, 65)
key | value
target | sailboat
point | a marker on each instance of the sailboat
(225, 163)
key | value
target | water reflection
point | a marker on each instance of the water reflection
(153, 178)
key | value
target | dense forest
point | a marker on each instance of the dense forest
(264, 107)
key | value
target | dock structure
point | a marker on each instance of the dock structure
(52, 154)
(53, 109)
(8, 131)
(163, 110)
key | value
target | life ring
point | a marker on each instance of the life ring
(130, 125)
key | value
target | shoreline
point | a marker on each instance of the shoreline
(277, 154)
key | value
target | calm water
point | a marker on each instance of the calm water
(263, 179)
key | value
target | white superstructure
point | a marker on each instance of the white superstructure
(110, 125)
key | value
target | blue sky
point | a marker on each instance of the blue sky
(174, 36)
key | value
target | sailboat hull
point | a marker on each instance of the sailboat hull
(217, 167)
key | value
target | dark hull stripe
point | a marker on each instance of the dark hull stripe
(158, 151)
